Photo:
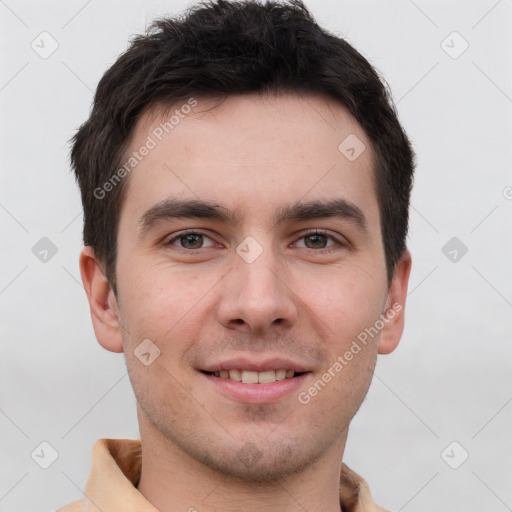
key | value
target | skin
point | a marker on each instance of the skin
(202, 303)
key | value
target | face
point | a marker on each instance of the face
(263, 262)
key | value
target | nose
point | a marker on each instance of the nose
(256, 297)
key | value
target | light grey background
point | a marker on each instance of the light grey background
(450, 378)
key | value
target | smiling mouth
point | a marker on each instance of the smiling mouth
(252, 377)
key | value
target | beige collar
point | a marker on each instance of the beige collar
(116, 470)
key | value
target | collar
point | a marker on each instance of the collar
(116, 470)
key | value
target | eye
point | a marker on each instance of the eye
(318, 239)
(194, 240)
(190, 240)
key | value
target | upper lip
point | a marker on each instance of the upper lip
(243, 363)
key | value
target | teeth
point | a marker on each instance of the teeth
(269, 376)
(234, 375)
(281, 374)
(251, 377)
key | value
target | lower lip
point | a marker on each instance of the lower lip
(256, 393)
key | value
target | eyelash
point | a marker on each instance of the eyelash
(304, 235)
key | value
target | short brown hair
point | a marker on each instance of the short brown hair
(222, 48)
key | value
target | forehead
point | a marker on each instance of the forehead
(251, 154)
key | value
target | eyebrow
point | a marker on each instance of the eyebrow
(175, 208)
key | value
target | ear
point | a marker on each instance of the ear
(395, 305)
(102, 302)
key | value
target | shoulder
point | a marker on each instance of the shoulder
(76, 506)
(355, 495)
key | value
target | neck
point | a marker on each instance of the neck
(171, 480)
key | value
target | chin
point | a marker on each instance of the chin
(258, 464)
(258, 460)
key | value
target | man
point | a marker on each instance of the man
(246, 185)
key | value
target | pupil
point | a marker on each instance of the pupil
(193, 239)
(315, 237)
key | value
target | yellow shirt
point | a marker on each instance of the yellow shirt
(116, 470)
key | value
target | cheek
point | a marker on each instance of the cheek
(346, 301)
(164, 398)
(158, 298)
(347, 306)
(335, 396)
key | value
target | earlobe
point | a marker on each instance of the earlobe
(102, 303)
(395, 305)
